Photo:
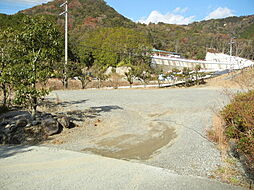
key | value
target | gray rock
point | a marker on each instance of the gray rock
(51, 126)
(65, 122)
(22, 116)
(35, 122)
(21, 122)
(17, 137)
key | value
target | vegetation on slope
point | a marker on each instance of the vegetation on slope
(239, 120)
(192, 41)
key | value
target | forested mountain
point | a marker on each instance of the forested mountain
(83, 13)
(192, 41)
(240, 27)
(195, 39)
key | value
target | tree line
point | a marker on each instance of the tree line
(33, 53)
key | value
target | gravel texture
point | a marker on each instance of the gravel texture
(128, 119)
(44, 168)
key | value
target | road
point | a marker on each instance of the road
(160, 127)
(44, 168)
(160, 132)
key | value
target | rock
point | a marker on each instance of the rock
(51, 126)
(21, 122)
(28, 125)
(3, 138)
(17, 138)
(65, 122)
(8, 126)
(122, 70)
(22, 116)
(4, 123)
(35, 122)
(109, 71)
(35, 134)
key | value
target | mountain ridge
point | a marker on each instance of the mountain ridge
(191, 40)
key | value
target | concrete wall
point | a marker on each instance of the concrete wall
(213, 62)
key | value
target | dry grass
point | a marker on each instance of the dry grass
(217, 135)
(245, 79)
(229, 172)
(56, 84)
(57, 142)
(222, 81)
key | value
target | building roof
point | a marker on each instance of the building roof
(163, 51)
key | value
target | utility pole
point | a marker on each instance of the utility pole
(66, 42)
(231, 49)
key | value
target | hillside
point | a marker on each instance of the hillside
(192, 40)
(240, 27)
(83, 13)
(195, 39)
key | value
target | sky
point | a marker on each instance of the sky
(154, 11)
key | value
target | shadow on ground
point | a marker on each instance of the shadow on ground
(92, 112)
(55, 103)
(7, 151)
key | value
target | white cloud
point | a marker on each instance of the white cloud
(169, 18)
(220, 13)
(179, 10)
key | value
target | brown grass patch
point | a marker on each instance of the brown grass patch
(57, 142)
(216, 133)
(245, 79)
(229, 172)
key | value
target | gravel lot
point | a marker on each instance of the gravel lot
(159, 127)
(47, 168)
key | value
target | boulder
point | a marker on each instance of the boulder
(51, 126)
(17, 137)
(35, 122)
(21, 122)
(65, 122)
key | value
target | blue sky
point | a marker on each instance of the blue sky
(168, 11)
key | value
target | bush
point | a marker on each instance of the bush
(239, 119)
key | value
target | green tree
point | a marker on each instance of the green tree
(8, 53)
(40, 44)
(109, 46)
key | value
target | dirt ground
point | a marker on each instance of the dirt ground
(160, 127)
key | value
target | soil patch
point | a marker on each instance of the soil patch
(121, 147)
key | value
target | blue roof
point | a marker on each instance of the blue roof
(157, 50)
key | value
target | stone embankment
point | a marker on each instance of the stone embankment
(18, 127)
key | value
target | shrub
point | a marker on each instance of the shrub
(239, 119)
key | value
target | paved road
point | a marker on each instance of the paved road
(44, 168)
